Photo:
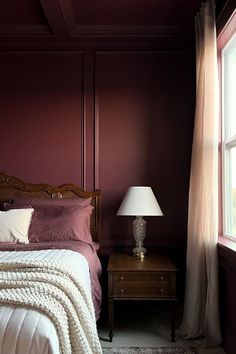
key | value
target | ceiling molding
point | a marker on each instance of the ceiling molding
(68, 15)
(126, 31)
(24, 30)
(161, 43)
(55, 17)
(61, 30)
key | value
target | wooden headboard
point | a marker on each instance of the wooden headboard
(11, 187)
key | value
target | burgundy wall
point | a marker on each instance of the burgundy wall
(227, 275)
(144, 105)
(41, 117)
(104, 117)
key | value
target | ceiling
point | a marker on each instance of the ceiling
(68, 20)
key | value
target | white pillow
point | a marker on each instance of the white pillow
(14, 225)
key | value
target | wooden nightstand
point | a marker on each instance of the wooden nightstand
(130, 278)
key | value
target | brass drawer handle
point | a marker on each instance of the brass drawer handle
(122, 291)
(162, 290)
(122, 278)
(162, 278)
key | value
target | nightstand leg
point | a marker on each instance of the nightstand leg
(173, 312)
(110, 320)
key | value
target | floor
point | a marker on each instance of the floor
(146, 324)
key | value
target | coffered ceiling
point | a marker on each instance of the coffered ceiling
(68, 20)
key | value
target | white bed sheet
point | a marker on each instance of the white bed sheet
(25, 331)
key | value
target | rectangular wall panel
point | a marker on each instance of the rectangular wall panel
(42, 116)
(144, 112)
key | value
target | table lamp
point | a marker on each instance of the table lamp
(139, 202)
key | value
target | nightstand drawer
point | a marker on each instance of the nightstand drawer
(140, 276)
(144, 285)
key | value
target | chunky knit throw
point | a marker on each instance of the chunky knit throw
(52, 288)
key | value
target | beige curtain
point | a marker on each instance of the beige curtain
(201, 308)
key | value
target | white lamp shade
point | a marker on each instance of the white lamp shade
(140, 201)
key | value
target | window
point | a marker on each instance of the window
(229, 136)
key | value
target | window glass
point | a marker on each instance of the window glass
(233, 191)
(229, 61)
(230, 191)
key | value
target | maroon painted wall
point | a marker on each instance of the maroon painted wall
(145, 112)
(227, 276)
(41, 130)
(104, 118)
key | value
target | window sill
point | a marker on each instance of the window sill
(225, 242)
(227, 254)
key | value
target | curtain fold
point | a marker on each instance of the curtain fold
(201, 307)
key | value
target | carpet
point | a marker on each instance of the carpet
(163, 350)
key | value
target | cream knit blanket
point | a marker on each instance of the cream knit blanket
(52, 288)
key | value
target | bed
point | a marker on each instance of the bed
(50, 294)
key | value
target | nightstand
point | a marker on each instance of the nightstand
(130, 278)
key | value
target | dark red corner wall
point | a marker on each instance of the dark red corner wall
(104, 119)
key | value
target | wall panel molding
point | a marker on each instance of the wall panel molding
(61, 83)
(131, 90)
(90, 125)
(114, 52)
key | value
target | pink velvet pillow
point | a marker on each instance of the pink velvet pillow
(61, 223)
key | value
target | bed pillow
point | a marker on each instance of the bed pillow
(61, 223)
(14, 225)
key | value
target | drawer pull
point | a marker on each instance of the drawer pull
(162, 290)
(122, 278)
(122, 291)
(162, 278)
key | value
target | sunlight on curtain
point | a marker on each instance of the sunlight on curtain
(201, 308)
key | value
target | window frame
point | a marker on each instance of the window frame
(228, 142)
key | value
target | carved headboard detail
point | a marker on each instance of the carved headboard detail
(11, 187)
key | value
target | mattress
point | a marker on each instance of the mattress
(27, 331)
